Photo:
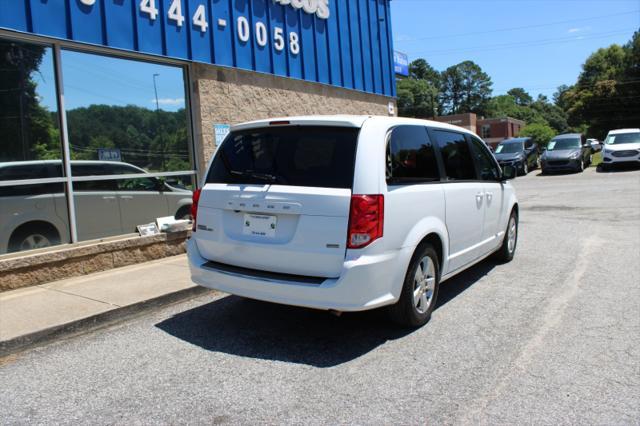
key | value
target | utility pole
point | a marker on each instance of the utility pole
(161, 134)
(155, 89)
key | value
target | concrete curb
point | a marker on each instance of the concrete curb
(95, 322)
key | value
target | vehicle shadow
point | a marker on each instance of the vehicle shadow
(618, 168)
(250, 328)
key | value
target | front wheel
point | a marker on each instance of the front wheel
(419, 290)
(581, 166)
(525, 168)
(510, 242)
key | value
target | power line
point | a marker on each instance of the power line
(524, 27)
(529, 43)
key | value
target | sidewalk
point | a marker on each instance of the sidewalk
(36, 314)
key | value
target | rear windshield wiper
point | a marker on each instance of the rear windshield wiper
(256, 175)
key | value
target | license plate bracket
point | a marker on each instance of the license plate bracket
(259, 225)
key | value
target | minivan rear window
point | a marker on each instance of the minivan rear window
(316, 156)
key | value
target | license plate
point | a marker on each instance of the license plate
(259, 225)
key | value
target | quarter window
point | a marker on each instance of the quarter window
(456, 157)
(410, 156)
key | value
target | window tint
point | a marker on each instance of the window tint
(95, 186)
(455, 155)
(144, 184)
(484, 160)
(317, 156)
(410, 155)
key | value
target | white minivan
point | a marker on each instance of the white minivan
(349, 213)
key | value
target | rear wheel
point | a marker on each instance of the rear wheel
(420, 289)
(33, 236)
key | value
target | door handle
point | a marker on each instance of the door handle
(479, 198)
(489, 196)
(126, 197)
(108, 198)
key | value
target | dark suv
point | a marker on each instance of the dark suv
(521, 153)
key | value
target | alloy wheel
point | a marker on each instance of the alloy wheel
(424, 284)
(512, 234)
(35, 241)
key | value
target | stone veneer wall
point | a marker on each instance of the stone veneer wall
(230, 96)
(67, 261)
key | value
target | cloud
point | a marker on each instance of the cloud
(578, 30)
(403, 37)
(168, 101)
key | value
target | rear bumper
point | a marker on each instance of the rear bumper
(366, 282)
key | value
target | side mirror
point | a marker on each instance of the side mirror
(508, 173)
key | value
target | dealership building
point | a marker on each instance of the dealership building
(110, 109)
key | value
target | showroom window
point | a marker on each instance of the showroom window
(33, 204)
(129, 155)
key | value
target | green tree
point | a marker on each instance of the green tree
(417, 98)
(506, 106)
(540, 132)
(520, 96)
(27, 128)
(607, 93)
(465, 88)
(421, 70)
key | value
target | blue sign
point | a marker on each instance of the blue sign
(401, 63)
(109, 154)
(221, 131)
(344, 43)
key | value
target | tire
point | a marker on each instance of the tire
(543, 171)
(508, 249)
(419, 290)
(581, 167)
(183, 213)
(33, 236)
(525, 169)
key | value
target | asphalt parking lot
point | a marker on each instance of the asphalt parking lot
(552, 337)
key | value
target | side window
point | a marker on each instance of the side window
(456, 157)
(410, 155)
(483, 159)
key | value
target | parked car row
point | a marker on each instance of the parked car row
(569, 152)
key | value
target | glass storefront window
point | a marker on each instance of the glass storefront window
(32, 214)
(129, 145)
(126, 117)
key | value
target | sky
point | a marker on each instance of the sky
(94, 79)
(534, 44)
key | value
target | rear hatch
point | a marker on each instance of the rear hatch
(277, 199)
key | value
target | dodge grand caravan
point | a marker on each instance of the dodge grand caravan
(348, 213)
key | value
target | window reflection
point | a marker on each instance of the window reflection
(114, 113)
(34, 215)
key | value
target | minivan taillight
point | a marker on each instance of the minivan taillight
(194, 208)
(366, 220)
